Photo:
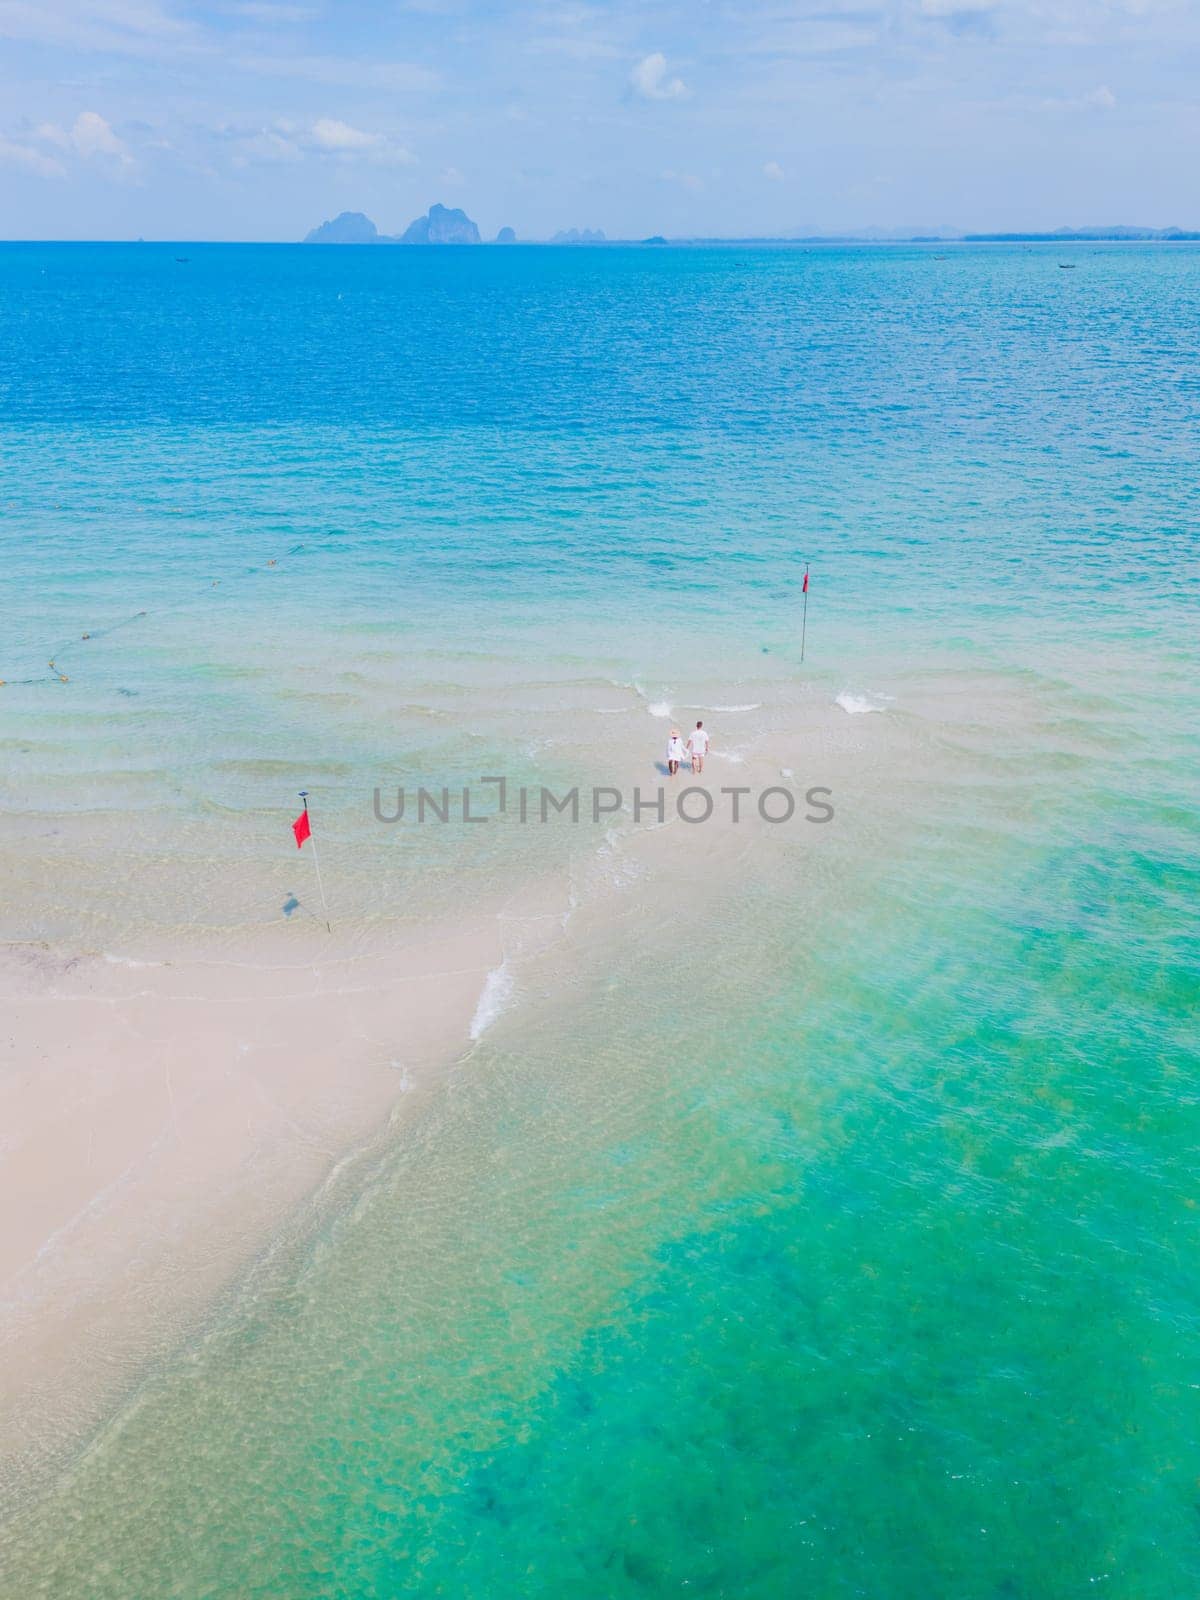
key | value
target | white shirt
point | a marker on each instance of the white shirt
(698, 742)
(675, 749)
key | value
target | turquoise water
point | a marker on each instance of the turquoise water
(877, 1278)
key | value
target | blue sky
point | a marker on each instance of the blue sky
(255, 119)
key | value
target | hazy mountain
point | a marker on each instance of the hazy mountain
(351, 227)
(441, 226)
(1083, 235)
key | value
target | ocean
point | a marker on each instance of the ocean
(817, 1215)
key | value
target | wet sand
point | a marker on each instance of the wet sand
(167, 1120)
(161, 1118)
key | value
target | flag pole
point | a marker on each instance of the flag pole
(804, 623)
(316, 862)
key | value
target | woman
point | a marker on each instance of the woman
(675, 752)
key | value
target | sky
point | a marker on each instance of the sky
(257, 119)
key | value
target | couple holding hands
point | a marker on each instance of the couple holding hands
(696, 748)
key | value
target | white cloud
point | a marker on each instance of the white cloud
(327, 137)
(330, 134)
(122, 27)
(27, 159)
(650, 79)
(92, 136)
(772, 170)
(267, 147)
(1099, 99)
(89, 137)
(51, 133)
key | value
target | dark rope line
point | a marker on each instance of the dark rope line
(54, 668)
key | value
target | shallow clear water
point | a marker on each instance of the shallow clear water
(876, 1278)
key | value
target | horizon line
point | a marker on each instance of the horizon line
(1115, 235)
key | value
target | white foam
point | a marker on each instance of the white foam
(494, 998)
(656, 708)
(856, 704)
(753, 705)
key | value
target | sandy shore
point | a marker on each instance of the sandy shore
(160, 1119)
(164, 1119)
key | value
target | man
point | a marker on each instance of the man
(698, 747)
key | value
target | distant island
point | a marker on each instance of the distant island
(440, 225)
(349, 227)
(883, 237)
(1081, 236)
(447, 225)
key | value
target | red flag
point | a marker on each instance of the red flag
(302, 830)
(805, 588)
